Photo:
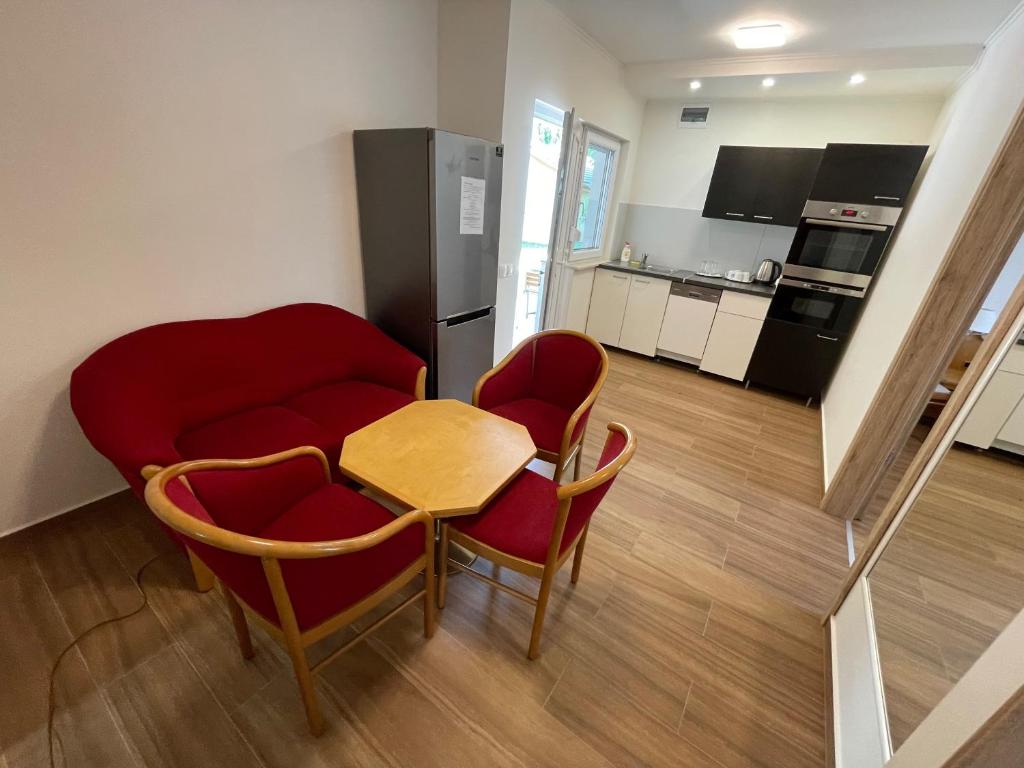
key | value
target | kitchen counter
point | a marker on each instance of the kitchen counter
(692, 278)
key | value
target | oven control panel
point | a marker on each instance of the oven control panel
(849, 213)
(885, 216)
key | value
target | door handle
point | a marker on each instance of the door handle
(620, 277)
(765, 218)
(729, 213)
(828, 338)
(638, 280)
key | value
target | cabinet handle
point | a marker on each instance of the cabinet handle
(728, 213)
(886, 197)
(620, 277)
(638, 280)
(695, 295)
(765, 218)
(828, 338)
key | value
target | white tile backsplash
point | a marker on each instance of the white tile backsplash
(682, 238)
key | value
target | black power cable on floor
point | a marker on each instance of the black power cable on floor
(52, 703)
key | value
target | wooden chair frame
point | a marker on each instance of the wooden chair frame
(553, 562)
(570, 450)
(271, 552)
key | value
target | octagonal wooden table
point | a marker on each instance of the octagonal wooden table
(442, 456)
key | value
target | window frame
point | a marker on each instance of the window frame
(597, 137)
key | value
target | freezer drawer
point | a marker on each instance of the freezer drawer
(464, 350)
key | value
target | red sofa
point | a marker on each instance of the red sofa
(304, 374)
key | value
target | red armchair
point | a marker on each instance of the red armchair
(534, 524)
(303, 374)
(548, 384)
(306, 565)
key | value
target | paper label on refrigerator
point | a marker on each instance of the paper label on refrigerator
(471, 207)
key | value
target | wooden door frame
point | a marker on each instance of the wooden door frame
(987, 235)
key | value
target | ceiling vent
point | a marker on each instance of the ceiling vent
(694, 115)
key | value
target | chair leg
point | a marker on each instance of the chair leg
(205, 580)
(577, 556)
(305, 680)
(442, 576)
(538, 616)
(429, 596)
(238, 619)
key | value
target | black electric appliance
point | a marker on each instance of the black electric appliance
(837, 248)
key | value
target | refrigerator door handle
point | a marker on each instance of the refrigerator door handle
(467, 317)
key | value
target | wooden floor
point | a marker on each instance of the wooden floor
(692, 638)
(949, 582)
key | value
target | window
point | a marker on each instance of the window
(596, 190)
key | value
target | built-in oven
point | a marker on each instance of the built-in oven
(816, 305)
(840, 244)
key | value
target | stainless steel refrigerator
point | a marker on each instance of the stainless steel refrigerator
(429, 205)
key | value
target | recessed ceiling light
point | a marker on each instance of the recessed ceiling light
(694, 85)
(760, 36)
(768, 82)
(856, 78)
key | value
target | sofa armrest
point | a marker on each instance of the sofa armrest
(385, 362)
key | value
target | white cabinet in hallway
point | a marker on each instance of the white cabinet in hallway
(626, 310)
(607, 306)
(997, 419)
(645, 310)
(734, 334)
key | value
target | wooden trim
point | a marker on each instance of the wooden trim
(830, 714)
(988, 233)
(1006, 324)
(420, 391)
(999, 742)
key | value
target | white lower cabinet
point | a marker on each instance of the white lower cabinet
(645, 309)
(734, 336)
(607, 306)
(1003, 394)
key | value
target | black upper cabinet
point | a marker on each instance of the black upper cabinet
(734, 183)
(872, 174)
(767, 185)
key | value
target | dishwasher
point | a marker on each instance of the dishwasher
(688, 319)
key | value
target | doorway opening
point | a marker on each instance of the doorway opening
(541, 181)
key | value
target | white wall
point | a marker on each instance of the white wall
(175, 160)
(674, 165)
(975, 122)
(472, 37)
(550, 59)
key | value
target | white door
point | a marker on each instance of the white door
(645, 309)
(607, 306)
(563, 221)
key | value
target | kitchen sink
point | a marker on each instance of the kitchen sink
(659, 269)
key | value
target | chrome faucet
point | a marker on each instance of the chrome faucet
(643, 261)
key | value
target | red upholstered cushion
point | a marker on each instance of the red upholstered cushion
(545, 422)
(347, 406)
(521, 519)
(321, 588)
(318, 588)
(255, 432)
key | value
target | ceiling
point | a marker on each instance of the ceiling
(659, 30)
(904, 47)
